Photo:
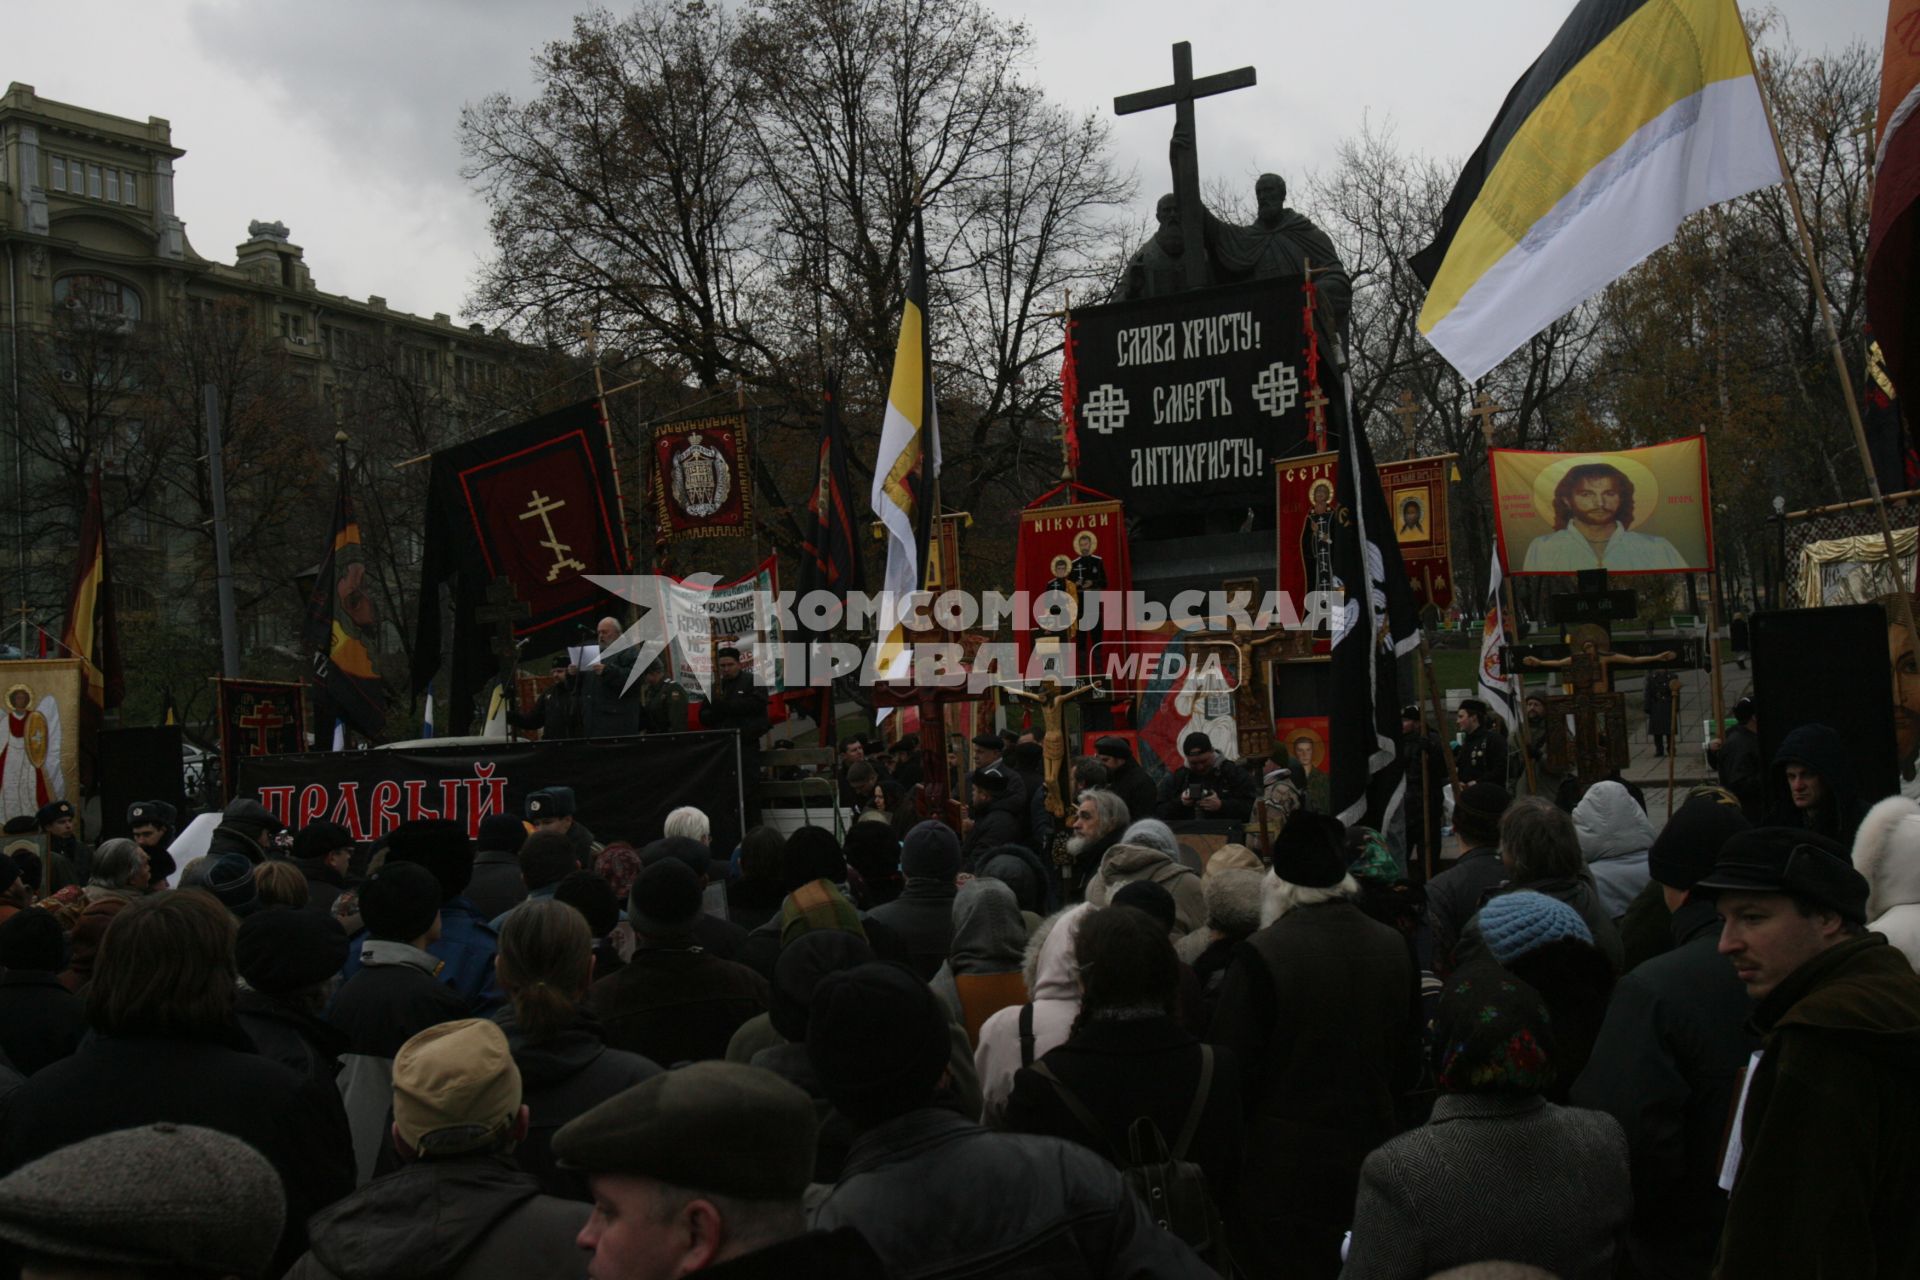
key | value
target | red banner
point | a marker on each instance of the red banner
(701, 486)
(258, 718)
(1073, 549)
(1416, 493)
(1305, 518)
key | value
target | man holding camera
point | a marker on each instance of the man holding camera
(1207, 787)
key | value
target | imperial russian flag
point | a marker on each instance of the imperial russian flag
(1639, 113)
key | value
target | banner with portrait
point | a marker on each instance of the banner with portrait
(40, 756)
(701, 486)
(1416, 493)
(1304, 526)
(258, 718)
(1626, 511)
(1073, 549)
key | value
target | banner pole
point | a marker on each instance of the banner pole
(1903, 598)
(1673, 736)
(1520, 693)
(1439, 716)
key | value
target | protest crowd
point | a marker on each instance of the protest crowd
(909, 1052)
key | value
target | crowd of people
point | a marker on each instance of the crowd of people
(1583, 1049)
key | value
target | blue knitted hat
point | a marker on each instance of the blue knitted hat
(1514, 924)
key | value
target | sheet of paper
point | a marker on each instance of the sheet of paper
(583, 656)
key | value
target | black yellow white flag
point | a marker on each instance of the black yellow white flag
(1639, 113)
(906, 472)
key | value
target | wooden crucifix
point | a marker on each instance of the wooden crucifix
(1180, 95)
(1484, 408)
(1408, 411)
(504, 607)
(1052, 699)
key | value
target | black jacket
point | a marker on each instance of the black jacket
(1822, 750)
(937, 1195)
(922, 919)
(992, 828)
(556, 713)
(1123, 1070)
(1742, 766)
(740, 704)
(117, 1082)
(1135, 786)
(324, 884)
(843, 1254)
(1667, 1065)
(1455, 894)
(226, 839)
(560, 1078)
(304, 1044)
(675, 1003)
(1228, 779)
(1482, 757)
(40, 1020)
(462, 1218)
(382, 1006)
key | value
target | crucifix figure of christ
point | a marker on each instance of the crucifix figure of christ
(502, 609)
(1599, 714)
(1408, 411)
(263, 720)
(1180, 95)
(1052, 700)
(541, 507)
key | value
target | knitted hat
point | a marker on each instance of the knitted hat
(1233, 900)
(162, 1196)
(1515, 923)
(666, 898)
(814, 906)
(230, 879)
(500, 832)
(1311, 851)
(593, 898)
(318, 839)
(798, 971)
(1476, 814)
(697, 857)
(1153, 899)
(811, 853)
(288, 949)
(877, 1039)
(455, 1087)
(1690, 843)
(1491, 1034)
(32, 941)
(619, 865)
(931, 851)
(398, 902)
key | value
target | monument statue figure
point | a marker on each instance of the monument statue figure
(1281, 242)
(1157, 268)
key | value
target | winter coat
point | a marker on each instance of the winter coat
(1455, 894)
(1666, 1065)
(843, 1254)
(1577, 892)
(228, 839)
(473, 1217)
(936, 1195)
(394, 997)
(324, 884)
(1830, 1170)
(303, 1043)
(989, 940)
(562, 1077)
(922, 919)
(1823, 751)
(40, 1020)
(1227, 779)
(1657, 701)
(1615, 836)
(1021, 869)
(1321, 1011)
(496, 886)
(466, 947)
(1121, 1070)
(992, 827)
(1126, 863)
(1742, 766)
(123, 1082)
(1887, 853)
(1055, 1003)
(674, 1003)
(1493, 1175)
(1135, 786)
(1645, 931)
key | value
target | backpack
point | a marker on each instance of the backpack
(1173, 1188)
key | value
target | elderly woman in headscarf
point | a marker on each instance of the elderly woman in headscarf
(1147, 850)
(982, 974)
(1441, 1196)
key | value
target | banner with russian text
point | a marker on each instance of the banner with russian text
(700, 618)
(625, 787)
(1416, 494)
(258, 718)
(1186, 401)
(1066, 553)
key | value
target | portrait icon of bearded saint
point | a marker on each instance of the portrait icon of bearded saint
(1593, 515)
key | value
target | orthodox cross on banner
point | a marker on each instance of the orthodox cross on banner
(1180, 95)
(541, 507)
(502, 610)
(264, 719)
(1408, 411)
(1484, 408)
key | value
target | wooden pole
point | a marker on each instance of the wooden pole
(1714, 687)
(1520, 711)
(1439, 717)
(1426, 813)
(1673, 736)
(1903, 598)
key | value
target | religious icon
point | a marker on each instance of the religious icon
(1641, 510)
(1906, 699)
(1410, 506)
(542, 508)
(30, 768)
(701, 478)
(1316, 540)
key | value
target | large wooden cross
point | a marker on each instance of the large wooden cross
(1408, 411)
(1484, 408)
(1180, 95)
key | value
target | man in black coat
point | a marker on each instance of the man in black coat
(1206, 787)
(323, 851)
(246, 828)
(996, 812)
(40, 1020)
(1482, 753)
(1740, 760)
(610, 708)
(556, 712)
(1426, 773)
(736, 702)
(57, 821)
(1812, 785)
(922, 916)
(1670, 1055)
(153, 825)
(1125, 777)
(1321, 1010)
(1456, 893)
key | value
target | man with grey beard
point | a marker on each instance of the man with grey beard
(1098, 818)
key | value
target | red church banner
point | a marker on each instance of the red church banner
(1071, 550)
(1416, 493)
(701, 486)
(258, 718)
(1305, 516)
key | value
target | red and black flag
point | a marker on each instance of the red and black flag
(830, 556)
(536, 505)
(257, 718)
(93, 628)
(341, 621)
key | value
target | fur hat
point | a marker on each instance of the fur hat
(1233, 901)
(1311, 851)
(1887, 852)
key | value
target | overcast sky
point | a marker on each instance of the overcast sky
(340, 119)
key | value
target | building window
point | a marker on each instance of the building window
(113, 185)
(93, 181)
(100, 296)
(57, 169)
(293, 327)
(128, 189)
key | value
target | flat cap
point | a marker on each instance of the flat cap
(1118, 748)
(716, 1126)
(159, 1197)
(250, 813)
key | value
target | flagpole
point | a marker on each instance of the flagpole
(1903, 599)
(1520, 691)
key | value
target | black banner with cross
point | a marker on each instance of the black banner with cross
(258, 718)
(1189, 399)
